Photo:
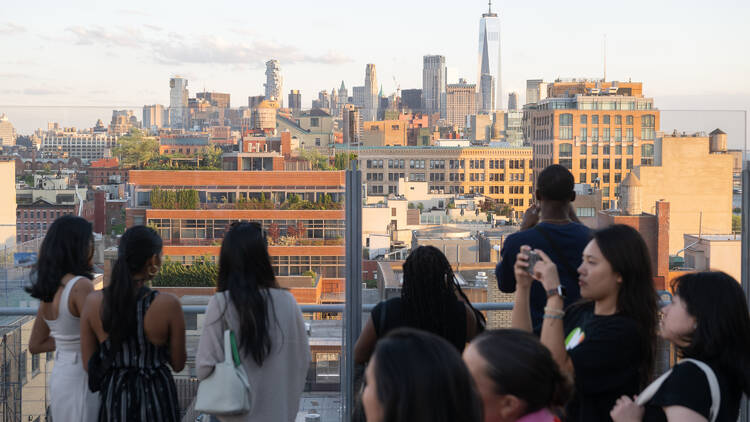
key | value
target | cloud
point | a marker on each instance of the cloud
(118, 37)
(133, 12)
(11, 28)
(176, 48)
(44, 91)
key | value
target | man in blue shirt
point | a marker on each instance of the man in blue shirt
(550, 225)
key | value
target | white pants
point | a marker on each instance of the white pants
(70, 397)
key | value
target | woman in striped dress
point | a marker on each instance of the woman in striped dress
(139, 331)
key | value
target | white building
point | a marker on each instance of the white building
(274, 82)
(370, 110)
(153, 117)
(178, 102)
(88, 146)
(489, 57)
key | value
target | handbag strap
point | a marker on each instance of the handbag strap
(555, 248)
(713, 384)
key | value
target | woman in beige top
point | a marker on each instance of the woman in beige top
(273, 343)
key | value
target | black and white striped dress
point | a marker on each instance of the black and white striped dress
(139, 386)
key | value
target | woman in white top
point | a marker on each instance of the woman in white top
(61, 283)
(270, 331)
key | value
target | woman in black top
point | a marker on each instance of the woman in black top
(708, 321)
(431, 300)
(607, 341)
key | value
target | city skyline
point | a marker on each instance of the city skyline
(693, 69)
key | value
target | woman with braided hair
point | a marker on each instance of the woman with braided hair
(431, 300)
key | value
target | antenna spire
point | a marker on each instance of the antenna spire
(605, 58)
(490, 6)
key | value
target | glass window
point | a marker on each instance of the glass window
(566, 126)
(605, 134)
(582, 134)
(605, 150)
(582, 163)
(594, 163)
(618, 134)
(584, 119)
(594, 134)
(595, 119)
(629, 134)
(606, 119)
(605, 163)
(583, 149)
(605, 177)
(582, 178)
(566, 150)
(618, 120)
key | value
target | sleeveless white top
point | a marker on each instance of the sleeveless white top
(66, 329)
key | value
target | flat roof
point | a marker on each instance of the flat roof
(718, 237)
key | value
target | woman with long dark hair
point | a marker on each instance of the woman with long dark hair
(431, 300)
(516, 377)
(135, 332)
(416, 376)
(709, 324)
(607, 341)
(272, 340)
(61, 280)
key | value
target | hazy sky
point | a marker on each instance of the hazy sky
(689, 54)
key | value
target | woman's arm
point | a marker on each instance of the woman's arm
(89, 341)
(40, 340)
(521, 314)
(177, 352)
(365, 343)
(211, 343)
(553, 334)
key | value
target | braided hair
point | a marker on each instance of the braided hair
(429, 291)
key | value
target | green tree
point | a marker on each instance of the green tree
(341, 160)
(211, 156)
(135, 149)
(187, 199)
(736, 223)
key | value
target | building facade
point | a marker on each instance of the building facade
(68, 143)
(597, 130)
(351, 124)
(7, 132)
(300, 240)
(153, 117)
(536, 90)
(501, 173)
(370, 109)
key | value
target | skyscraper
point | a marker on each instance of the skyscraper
(153, 116)
(433, 84)
(7, 132)
(371, 93)
(359, 96)
(536, 90)
(351, 124)
(513, 101)
(274, 81)
(178, 102)
(489, 60)
(295, 100)
(343, 95)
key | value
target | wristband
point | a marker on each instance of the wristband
(548, 316)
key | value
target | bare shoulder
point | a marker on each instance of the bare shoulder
(84, 285)
(166, 302)
(94, 298)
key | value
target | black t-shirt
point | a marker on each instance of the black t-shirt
(687, 386)
(571, 239)
(606, 356)
(394, 318)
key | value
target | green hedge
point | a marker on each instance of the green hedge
(202, 273)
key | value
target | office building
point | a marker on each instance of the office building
(351, 124)
(513, 101)
(370, 110)
(69, 143)
(489, 62)
(359, 97)
(295, 101)
(274, 82)
(7, 132)
(434, 79)
(216, 99)
(460, 102)
(536, 90)
(255, 100)
(597, 130)
(411, 99)
(153, 117)
(178, 103)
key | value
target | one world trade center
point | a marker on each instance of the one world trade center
(489, 82)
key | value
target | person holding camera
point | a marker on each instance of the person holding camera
(606, 343)
(549, 225)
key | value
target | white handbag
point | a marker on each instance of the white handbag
(227, 390)
(713, 385)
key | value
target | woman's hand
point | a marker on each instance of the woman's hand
(520, 268)
(626, 410)
(545, 271)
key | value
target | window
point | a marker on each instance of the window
(582, 163)
(618, 120)
(594, 149)
(583, 149)
(606, 119)
(595, 119)
(594, 134)
(566, 150)
(582, 178)
(605, 134)
(594, 163)
(629, 163)
(605, 192)
(618, 134)
(22, 368)
(629, 134)
(618, 163)
(566, 126)
(648, 124)
(584, 119)
(585, 212)
(628, 120)
(605, 163)
(618, 149)
(605, 178)
(35, 363)
(583, 134)
(629, 150)
(605, 150)
(618, 178)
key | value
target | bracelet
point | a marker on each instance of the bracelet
(548, 316)
(554, 311)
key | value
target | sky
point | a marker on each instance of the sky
(77, 60)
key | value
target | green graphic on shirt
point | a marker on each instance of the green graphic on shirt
(574, 338)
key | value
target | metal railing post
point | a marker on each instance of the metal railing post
(353, 306)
